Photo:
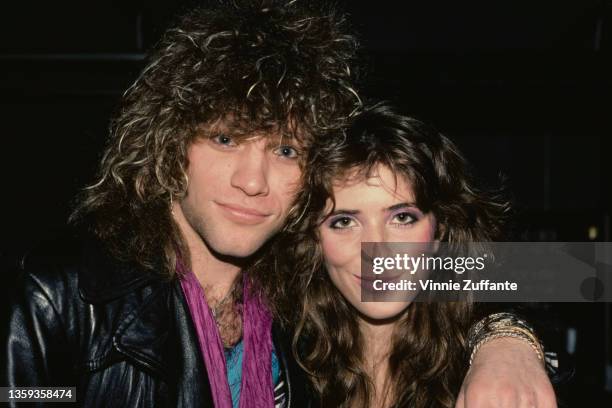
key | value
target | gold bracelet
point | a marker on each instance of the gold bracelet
(509, 334)
(496, 322)
(502, 325)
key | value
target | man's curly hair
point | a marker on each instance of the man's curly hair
(262, 66)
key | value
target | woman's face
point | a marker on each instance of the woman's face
(377, 209)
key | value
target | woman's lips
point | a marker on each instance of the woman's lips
(243, 215)
(383, 277)
(377, 291)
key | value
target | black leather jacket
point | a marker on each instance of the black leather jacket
(122, 336)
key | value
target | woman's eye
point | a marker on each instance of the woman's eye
(404, 218)
(287, 151)
(223, 140)
(342, 222)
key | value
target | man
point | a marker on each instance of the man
(149, 306)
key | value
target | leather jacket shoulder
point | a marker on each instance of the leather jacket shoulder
(123, 336)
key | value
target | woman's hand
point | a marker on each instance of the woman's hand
(506, 373)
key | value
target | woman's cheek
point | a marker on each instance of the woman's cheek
(339, 249)
(337, 256)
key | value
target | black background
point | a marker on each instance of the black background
(523, 87)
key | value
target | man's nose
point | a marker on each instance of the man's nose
(251, 171)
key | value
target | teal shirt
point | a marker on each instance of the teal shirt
(233, 359)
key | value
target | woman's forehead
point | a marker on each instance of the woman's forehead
(379, 182)
(377, 175)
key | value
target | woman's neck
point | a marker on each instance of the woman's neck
(377, 341)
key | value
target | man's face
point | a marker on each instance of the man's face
(239, 192)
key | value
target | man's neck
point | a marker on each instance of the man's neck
(216, 276)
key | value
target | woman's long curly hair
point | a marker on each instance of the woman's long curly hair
(258, 66)
(427, 360)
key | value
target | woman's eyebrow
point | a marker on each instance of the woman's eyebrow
(400, 205)
(342, 211)
(388, 209)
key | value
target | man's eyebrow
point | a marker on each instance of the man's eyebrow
(279, 140)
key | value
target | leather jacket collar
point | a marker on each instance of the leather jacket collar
(103, 278)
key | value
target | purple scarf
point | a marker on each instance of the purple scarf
(256, 388)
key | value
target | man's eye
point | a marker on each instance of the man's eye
(287, 151)
(404, 218)
(342, 222)
(223, 139)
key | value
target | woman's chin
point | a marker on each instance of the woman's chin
(380, 312)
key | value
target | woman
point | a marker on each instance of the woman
(389, 178)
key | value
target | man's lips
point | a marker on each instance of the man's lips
(242, 214)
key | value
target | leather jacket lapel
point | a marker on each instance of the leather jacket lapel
(143, 332)
(160, 336)
(188, 366)
(293, 375)
(138, 299)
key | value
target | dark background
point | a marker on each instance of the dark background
(523, 87)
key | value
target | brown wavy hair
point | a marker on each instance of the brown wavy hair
(258, 66)
(427, 361)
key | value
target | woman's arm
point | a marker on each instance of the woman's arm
(508, 367)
